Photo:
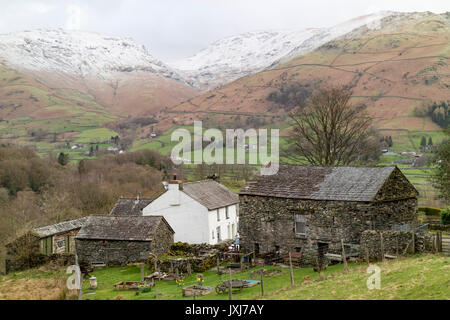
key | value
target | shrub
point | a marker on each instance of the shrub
(430, 211)
(445, 215)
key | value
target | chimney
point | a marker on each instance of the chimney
(175, 184)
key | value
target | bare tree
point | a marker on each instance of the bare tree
(330, 130)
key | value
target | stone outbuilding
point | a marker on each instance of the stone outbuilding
(108, 240)
(43, 244)
(314, 208)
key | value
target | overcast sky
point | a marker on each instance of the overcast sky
(172, 29)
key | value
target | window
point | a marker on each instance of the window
(219, 238)
(233, 232)
(226, 213)
(300, 225)
(212, 234)
(229, 231)
(218, 214)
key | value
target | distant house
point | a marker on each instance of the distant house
(120, 240)
(199, 212)
(130, 206)
(41, 244)
(313, 208)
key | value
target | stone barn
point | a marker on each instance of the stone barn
(54, 242)
(119, 240)
(314, 208)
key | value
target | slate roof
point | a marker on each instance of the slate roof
(58, 228)
(210, 193)
(129, 207)
(131, 228)
(321, 183)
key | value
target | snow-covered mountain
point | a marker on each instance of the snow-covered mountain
(79, 53)
(234, 57)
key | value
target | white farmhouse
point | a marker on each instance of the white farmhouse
(199, 212)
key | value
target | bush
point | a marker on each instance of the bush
(445, 215)
(430, 211)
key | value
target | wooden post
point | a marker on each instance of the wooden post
(262, 283)
(195, 294)
(155, 265)
(382, 246)
(291, 271)
(344, 258)
(440, 241)
(413, 242)
(218, 266)
(230, 287)
(435, 243)
(142, 272)
(396, 251)
(177, 273)
(367, 255)
(156, 293)
(80, 293)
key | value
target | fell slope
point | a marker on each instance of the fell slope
(119, 73)
(393, 69)
(237, 56)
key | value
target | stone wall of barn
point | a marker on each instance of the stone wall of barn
(112, 252)
(163, 239)
(115, 252)
(394, 243)
(270, 222)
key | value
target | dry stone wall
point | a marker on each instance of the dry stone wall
(394, 243)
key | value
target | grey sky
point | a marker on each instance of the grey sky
(173, 29)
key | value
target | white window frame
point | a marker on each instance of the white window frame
(298, 218)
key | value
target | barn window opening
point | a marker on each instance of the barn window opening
(226, 213)
(300, 225)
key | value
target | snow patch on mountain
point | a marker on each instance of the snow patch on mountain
(234, 57)
(79, 53)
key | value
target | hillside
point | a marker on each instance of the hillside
(234, 57)
(67, 82)
(393, 69)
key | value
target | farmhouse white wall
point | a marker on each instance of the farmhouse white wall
(224, 223)
(193, 222)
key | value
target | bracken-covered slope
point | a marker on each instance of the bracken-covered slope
(393, 69)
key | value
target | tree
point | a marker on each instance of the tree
(430, 141)
(389, 141)
(441, 177)
(63, 159)
(330, 130)
(423, 142)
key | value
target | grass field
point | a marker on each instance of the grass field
(419, 277)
